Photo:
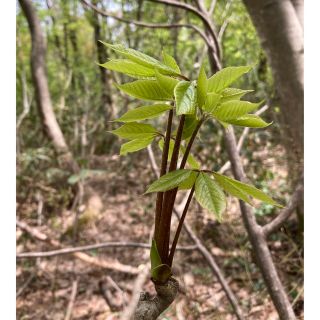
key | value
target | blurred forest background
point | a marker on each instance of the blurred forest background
(73, 188)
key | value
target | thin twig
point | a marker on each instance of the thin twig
(285, 213)
(26, 284)
(113, 265)
(72, 300)
(141, 279)
(104, 245)
(148, 24)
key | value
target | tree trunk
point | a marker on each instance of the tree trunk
(38, 69)
(279, 24)
(106, 98)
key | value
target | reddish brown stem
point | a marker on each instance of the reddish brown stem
(176, 237)
(188, 149)
(165, 221)
(163, 170)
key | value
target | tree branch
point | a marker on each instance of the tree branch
(104, 245)
(148, 24)
(285, 213)
(203, 16)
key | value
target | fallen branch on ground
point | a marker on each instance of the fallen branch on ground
(112, 265)
(90, 247)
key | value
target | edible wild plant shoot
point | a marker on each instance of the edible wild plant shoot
(193, 102)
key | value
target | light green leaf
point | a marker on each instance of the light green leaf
(171, 145)
(209, 194)
(188, 183)
(191, 161)
(145, 89)
(249, 120)
(129, 68)
(223, 78)
(140, 58)
(135, 145)
(169, 181)
(143, 113)
(185, 96)
(202, 86)
(190, 124)
(234, 109)
(212, 100)
(161, 273)
(135, 130)
(154, 255)
(228, 185)
(170, 62)
(166, 83)
(233, 94)
(245, 188)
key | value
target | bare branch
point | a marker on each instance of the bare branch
(73, 295)
(285, 213)
(103, 245)
(148, 24)
(204, 18)
(214, 268)
(212, 7)
(104, 264)
(137, 287)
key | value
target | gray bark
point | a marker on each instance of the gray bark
(278, 23)
(151, 308)
(42, 93)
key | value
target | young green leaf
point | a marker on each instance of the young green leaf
(233, 109)
(143, 113)
(202, 86)
(212, 100)
(140, 58)
(135, 145)
(223, 78)
(166, 83)
(145, 89)
(249, 120)
(170, 62)
(244, 188)
(230, 187)
(209, 194)
(190, 124)
(233, 94)
(135, 130)
(129, 68)
(154, 255)
(185, 96)
(161, 273)
(188, 183)
(169, 181)
(191, 161)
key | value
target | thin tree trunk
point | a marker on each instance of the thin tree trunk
(279, 24)
(38, 68)
(255, 233)
(106, 98)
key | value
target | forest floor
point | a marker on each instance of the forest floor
(115, 209)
